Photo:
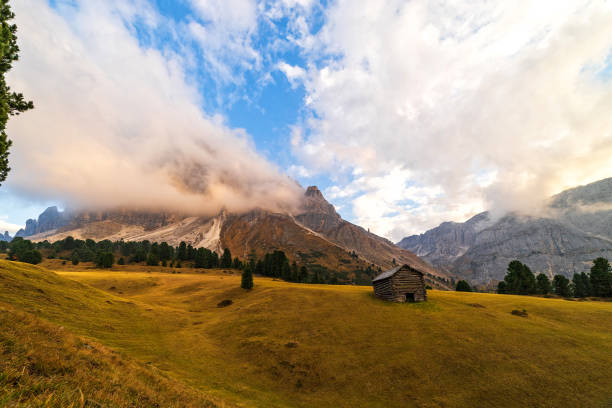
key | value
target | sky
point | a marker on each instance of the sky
(404, 113)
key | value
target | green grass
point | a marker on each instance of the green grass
(285, 344)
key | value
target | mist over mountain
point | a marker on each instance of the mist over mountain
(314, 234)
(574, 229)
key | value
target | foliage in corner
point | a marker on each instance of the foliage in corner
(11, 103)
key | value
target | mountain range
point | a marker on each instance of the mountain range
(574, 228)
(315, 235)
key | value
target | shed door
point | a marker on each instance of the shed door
(409, 297)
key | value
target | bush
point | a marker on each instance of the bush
(121, 261)
(75, 260)
(463, 286)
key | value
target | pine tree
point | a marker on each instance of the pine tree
(286, 270)
(226, 259)
(303, 276)
(11, 103)
(561, 285)
(581, 285)
(519, 279)
(247, 278)
(463, 286)
(601, 278)
(543, 284)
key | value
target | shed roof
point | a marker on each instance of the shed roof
(393, 271)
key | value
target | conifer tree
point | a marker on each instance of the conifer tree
(561, 285)
(463, 286)
(226, 259)
(247, 278)
(543, 284)
(601, 278)
(11, 103)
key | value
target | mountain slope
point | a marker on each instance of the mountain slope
(320, 216)
(576, 228)
(317, 236)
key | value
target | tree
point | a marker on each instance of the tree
(152, 259)
(247, 278)
(226, 259)
(463, 286)
(286, 270)
(303, 275)
(165, 251)
(561, 285)
(200, 259)
(11, 103)
(501, 287)
(32, 256)
(105, 260)
(295, 272)
(601, 278)
(543, 284)
(236, 264)
(581, 285)
(182, 251)
(75, 258)
(519, 279)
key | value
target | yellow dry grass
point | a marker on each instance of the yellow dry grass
(285, 344)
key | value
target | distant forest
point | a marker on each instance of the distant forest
(106, 253)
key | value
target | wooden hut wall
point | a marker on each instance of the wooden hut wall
(384, 289)
(408, 281)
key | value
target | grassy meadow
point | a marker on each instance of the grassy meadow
(163, 339)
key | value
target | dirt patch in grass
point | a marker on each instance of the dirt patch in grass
(521, 313)
(225, 303)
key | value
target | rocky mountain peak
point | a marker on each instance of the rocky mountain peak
(315, 203)
(313, 191)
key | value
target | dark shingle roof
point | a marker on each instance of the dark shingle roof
(392, 272)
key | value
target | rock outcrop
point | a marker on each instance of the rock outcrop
(49, 220)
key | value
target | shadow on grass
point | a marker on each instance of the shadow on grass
(427, 306)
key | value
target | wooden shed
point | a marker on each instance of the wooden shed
(401, 284)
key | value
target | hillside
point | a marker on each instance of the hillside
(574, 229)
(300, 345)
(316, 235)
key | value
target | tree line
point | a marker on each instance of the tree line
(520, 280)
(106, 253)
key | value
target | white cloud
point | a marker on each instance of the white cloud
(7, 226)
(495, 103)
(224, 30)
(116, 124)
(295, 74)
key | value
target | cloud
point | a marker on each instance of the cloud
(224, 31)
(497, 104)
(295, 74)
(119, 124)
(7, 226)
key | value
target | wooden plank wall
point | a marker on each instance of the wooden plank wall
(404, 281)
